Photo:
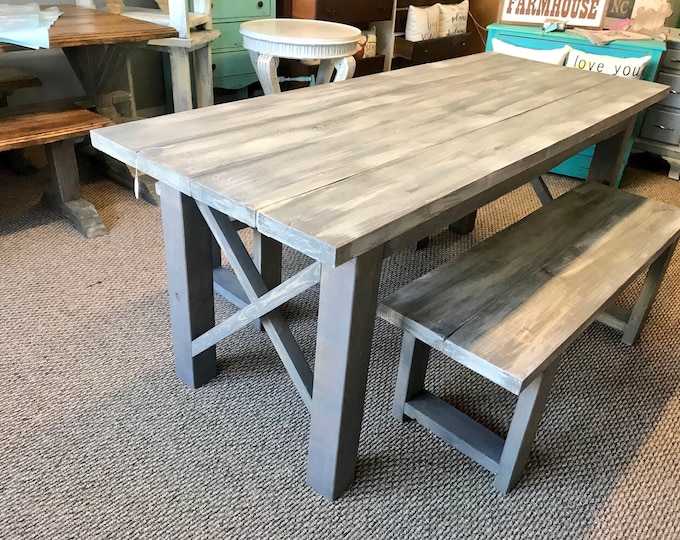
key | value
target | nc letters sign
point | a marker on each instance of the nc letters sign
(620, 9)
(588, 13)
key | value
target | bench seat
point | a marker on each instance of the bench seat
(56, 125)
(510, 306)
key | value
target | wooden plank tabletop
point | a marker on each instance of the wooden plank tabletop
(79, 26)
(335, 170)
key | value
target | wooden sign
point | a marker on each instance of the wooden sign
(586, 13)
(620, 9)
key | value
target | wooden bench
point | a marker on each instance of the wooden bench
(56, 125)
(510, 306)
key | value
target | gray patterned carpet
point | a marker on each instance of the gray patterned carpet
(98, 439)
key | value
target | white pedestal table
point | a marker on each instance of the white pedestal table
(333, 44)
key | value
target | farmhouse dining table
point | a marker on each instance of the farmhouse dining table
(347, 174)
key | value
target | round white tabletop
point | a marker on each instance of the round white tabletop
(333, 44)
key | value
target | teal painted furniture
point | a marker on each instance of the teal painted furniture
(534, 38)
(232, 66)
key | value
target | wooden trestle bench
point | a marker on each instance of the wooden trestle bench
(509, 307)
(56, 125)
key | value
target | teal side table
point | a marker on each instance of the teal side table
(534, 38)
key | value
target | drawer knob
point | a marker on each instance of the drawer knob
(260, 4)
(665, 128)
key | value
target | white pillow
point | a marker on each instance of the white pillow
(368, 44)
(453, 18)
(370, 49)
(631, 68)
(422, 23)
(547, 56)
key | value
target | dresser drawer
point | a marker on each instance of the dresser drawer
(344, 11)
(242, 10)
(230, 37)
(661, 125)
(671, 59)
(231, 64)
(672, 80)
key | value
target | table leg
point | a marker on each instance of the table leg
(63, 192)
(347, 307)
(265, 66)
(325, 71)
(189, 259)
(344, 68)
(180, 73)
(203, 76)
(609, 154)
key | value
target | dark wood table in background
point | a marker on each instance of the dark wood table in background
(96, 44)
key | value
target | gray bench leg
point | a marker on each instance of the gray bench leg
(528, 412)
(643, 304)
(411, 377)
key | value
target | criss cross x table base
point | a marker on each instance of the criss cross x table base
(258, 296)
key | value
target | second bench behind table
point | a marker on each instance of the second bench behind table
(510, 306)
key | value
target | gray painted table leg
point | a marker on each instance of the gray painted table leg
(608, 156)
(189, 259)
(347, 307)
(267, 259)
(465, 224)
(541, 190)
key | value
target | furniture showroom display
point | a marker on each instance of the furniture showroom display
(347, 174)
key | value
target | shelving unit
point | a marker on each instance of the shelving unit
(411, 53)
(362, 14)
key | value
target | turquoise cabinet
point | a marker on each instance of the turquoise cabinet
(232, 66)
(534, 38)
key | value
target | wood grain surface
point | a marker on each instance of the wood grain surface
(335, 171)
(79, 26)
(47, 123)
(510, 305)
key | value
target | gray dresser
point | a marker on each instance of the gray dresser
(660, 133)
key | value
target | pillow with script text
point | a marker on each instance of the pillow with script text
(611, 65)
(422, 23)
